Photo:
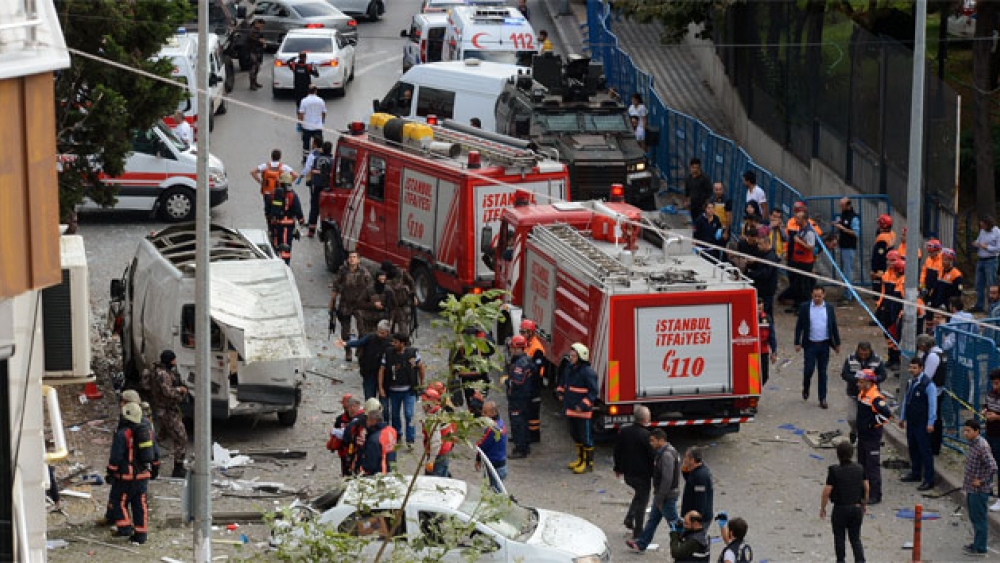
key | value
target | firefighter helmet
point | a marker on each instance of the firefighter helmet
(132, 413)
(581, 351)
(866, 375)
(431, 395)
(518, 341)
(131, 396)
(899, 266)
(933, 245)
(345, 399)
(948, 253)
(528, 324)
(892, 256)
(884, 221)
(798, 205)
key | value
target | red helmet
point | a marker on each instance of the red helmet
(949, 253)
(933, 245)
(899, 266)
(884, 221)
(528, 324)
(347, 397)
(431, 395)
(798, 205)
(437, 386)
(866, 375)
(892, 256)
(518, 342)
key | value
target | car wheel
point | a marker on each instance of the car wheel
(373, 13)
(223, 107)
(426, 288)
(230, 75)
(275, 92)
(288, 418)
(177, 204)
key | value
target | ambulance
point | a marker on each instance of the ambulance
(418, 194)
(499, 34)
(182, 50)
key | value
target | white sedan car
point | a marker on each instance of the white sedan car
(330, 52)
(497, 528)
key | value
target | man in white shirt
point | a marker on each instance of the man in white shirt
(183, 128)
(312, 116)
(754, 192)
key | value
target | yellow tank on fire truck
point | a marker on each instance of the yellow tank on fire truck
(666, 328)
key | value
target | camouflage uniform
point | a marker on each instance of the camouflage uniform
(354, 289)
(167, 399)
(399, 298)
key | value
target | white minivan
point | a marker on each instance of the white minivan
(458, 90)
(499, 34)
(161, 176)
(426, 39)
(182, 50)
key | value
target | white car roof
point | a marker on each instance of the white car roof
(428, 492)
(468, 73)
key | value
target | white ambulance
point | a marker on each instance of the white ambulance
(182, 49)
(499, 34)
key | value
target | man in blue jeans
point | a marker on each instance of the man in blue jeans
(980, 467)
(401, 373)
(666, 489)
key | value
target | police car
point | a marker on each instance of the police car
(497, 530)
(327, 49)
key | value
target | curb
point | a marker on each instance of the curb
(945, 479)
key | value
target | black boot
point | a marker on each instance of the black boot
(179, 471)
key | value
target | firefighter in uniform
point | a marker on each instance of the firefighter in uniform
(518, 384)
(168, 393)
(283, 210)
(535, 351)
(579, 391)
(873, 413)
(884, 242)
(890, 311)
(931, 268)
(353, 284)
(863, 358)
(131, 465)
(948, 283)
(439, 443)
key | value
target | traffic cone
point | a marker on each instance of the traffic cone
(92, 392)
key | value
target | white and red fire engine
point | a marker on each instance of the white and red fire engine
(418, 195)
(666, 328)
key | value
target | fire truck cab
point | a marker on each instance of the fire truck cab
(665, 327)
(418, 194)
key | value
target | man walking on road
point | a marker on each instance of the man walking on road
(698, 492)
(634, 459)
(312, 116)
(816, 331)
(402, 371)
(917, 417)
(666, 489)
(980, 467)
(873, 413)
(847, 488)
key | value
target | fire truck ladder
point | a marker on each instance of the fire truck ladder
(572, 247)
(494, 151)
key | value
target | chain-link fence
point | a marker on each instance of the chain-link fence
(970, 357)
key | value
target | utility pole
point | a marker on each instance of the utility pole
(200, 484)
(914, 181)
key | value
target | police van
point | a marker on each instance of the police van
(182, 50)
(499, 34)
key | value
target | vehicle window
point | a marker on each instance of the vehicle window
(560, 122)
(171, 138)
(185, 103)
(307, 44)
(376, 178)
(341, 41)
(505, 57)
(346, 158)
(431, 101)
(146, 142)
(263, 8)
(617, 123)
(314, 9)
(414, 32)
(187, 329)
(435, 44)
(398, 100)
(510, 521)
(378, 524)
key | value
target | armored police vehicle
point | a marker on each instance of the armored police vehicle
(564, 109)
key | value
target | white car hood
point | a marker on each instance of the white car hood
(568, 533)
(214, 162)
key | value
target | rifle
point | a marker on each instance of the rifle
(414, 323)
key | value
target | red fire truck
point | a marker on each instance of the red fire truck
(665, 327)
(418, 195)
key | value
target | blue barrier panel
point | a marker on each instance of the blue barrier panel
(971, 356)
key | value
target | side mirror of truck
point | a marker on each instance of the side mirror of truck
(376, 106)
(117, 289)
(486, 246)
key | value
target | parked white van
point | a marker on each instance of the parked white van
(182, 49)
(160, 176)
(499, 34)
(426, 42)
(458, 90)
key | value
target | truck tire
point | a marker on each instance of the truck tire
(288, 418)
(333, 249)
(177, 204)
(426, 288)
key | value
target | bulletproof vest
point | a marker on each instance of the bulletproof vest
(843, 239)
(399, 370)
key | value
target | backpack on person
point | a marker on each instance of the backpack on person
(941, 374)
(741, 549)
(269, 179)
(143, 443)
(280, 204)
(322, 170)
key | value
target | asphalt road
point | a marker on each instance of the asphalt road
(765, 473)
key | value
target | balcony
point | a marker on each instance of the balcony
(31, 40)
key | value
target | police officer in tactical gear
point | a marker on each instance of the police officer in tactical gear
(168, 393)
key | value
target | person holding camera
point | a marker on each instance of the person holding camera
(734, 535)
(689, 540)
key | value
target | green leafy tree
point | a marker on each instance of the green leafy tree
(99, 106)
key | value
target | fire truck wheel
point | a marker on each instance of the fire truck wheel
(333, 252)
(426, 286)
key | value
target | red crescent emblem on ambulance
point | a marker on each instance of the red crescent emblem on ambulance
(475, 40)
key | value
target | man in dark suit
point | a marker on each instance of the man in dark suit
(816, 332)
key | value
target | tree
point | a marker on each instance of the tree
(100, 106)
(675, 15)
(985, 81)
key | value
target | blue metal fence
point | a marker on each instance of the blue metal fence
(971, 356)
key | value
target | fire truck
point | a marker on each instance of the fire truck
(666, 328)
(418, 194)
